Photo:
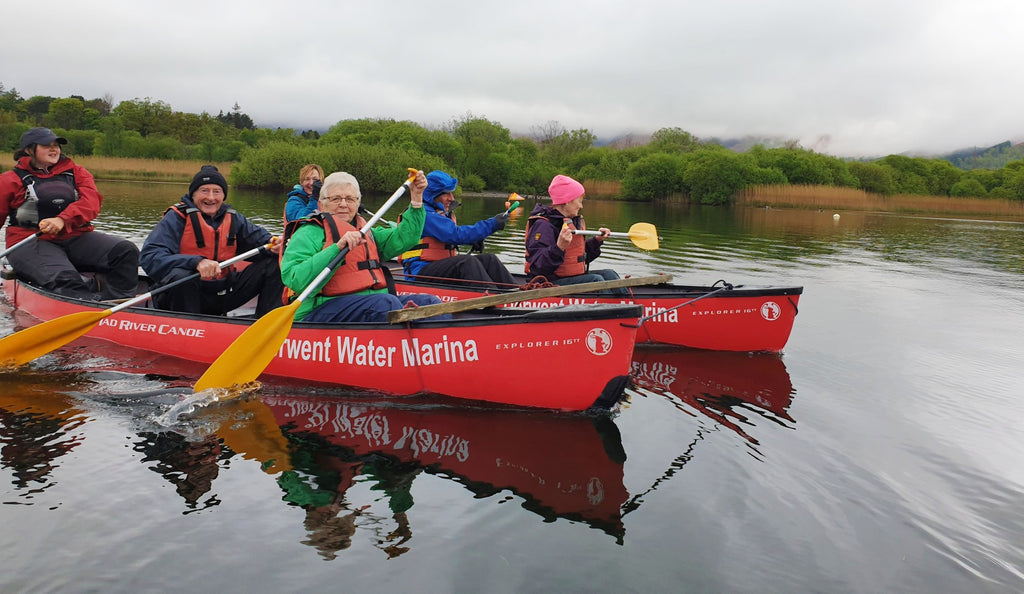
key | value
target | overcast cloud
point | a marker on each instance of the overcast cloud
(858, 78)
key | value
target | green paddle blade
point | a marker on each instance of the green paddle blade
(34, 342)
(246, 358)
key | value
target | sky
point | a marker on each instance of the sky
(863, 78)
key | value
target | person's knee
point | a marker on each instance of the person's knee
(124, 251)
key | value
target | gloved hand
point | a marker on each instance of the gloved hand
(502, 220)
(316, 189)
(477, 247)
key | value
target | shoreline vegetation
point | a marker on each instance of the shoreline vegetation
(146, 170)
(772, 196)
(849, 199)
(147, 140)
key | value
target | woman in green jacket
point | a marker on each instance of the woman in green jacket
(357, 290)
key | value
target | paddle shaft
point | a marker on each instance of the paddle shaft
(20, 243)
(336, 261)
(249, 354)
(727, 287)
(611, 234)
(140, 298)
(426, 311)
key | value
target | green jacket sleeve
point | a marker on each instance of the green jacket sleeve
(303, 257)
(391, 242)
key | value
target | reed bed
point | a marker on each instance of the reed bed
(602, 189)
(129, 169)
(833, 198)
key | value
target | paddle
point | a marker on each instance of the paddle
(246, 358)
(479, 246)
(34, 342)
(20, 243)
(426, 311)
(643, 235)
(725, 287)
(365, 211)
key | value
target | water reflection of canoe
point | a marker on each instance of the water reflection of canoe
(743, 318)
(463, 358)
(717, 384)
(561, 466)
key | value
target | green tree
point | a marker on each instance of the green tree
(968, 187)
(872, 177)
(714, 176)
(673, 140)
(36, 108)
(145, 116)
(654, 176)
(66, 113)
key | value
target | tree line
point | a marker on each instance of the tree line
(483, 154)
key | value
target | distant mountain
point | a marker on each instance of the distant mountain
(993, 157)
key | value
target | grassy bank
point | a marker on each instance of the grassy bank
(126, 169)
(833, 198)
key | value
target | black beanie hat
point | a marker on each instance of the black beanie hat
(208, 174)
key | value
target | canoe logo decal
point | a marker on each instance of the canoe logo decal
(770, 311)
(599, 342)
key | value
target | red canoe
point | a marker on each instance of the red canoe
(478, 355)
(718, 318)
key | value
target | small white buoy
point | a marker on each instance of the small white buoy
(835, 217)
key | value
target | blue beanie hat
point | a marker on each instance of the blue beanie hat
(438, 182)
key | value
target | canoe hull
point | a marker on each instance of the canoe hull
(745, 319)
(478, 358)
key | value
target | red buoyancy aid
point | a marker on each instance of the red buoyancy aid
(575, 261)
(201, 239)
(361, 269)
(431, 249)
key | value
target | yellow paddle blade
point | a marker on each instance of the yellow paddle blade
(246, 358)
(644, 236)
(34, 342)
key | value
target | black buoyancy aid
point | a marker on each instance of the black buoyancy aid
(431, 249)
(199, 238)
(361, 269)
(52, 196)
(575, 261)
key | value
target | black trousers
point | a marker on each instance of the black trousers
(261, 279)
(57, 265)
(486, 269)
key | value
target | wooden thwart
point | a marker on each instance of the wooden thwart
(426, 311)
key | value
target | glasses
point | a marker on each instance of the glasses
(338, 199)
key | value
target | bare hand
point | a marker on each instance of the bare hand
(350, 240)
(275, 245)
(416, 191)
(51, 226)
(208, 269)
(565, 236)
(605, 232)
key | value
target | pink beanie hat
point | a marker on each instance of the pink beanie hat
(564, 189)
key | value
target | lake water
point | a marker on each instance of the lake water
(879, 453)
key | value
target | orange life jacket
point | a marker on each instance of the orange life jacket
(361, 269)
(201, 239)
(575, 261)
(431, 249)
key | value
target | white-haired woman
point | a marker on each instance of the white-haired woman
(357, 291)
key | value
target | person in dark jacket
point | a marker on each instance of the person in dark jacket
(197, 234)
(48, 193)
(552, 249)
(436, 255)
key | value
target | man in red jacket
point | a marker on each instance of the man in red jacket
(48, 193)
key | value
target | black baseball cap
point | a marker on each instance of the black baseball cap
(43, 136)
